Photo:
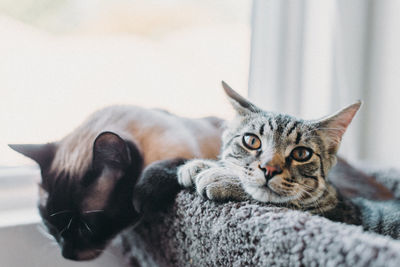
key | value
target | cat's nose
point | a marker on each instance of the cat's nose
(269, 170)
(69, 253)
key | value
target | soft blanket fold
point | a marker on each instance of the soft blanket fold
(196, 232)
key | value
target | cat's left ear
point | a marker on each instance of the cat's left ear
(335, 126)
(239, 103)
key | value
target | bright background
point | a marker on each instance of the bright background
(62, 60)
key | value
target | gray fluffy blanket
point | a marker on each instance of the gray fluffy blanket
(196, 232)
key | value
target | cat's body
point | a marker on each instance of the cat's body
(88, 177)
(276, 158)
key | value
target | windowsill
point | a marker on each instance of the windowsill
(25, 245)
(19, 217)
(18, 195)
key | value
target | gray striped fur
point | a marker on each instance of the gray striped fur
(300, 185)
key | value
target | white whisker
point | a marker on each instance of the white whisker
(44, 232)
(60, 212)
(67, 227)
(315, 202)
(106, 252)
(87, 226)
(92, 211)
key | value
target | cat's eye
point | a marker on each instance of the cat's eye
(301, 154)
(251, 141)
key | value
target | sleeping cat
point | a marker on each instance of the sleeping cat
(279, 159)
(88, 177)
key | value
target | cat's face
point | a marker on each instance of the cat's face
(279, 158)
(84, 212)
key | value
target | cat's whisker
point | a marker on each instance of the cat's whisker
(66, 227)
(307, 186)
(305, 192)
(106, 252)
(43, 231)
(315, 202)
(321, 211)
(87, 226)
(60, 212)
(92, 211)
(50, 245)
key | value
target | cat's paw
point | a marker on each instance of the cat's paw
(215, 185)
(188, 172)
(157, 186)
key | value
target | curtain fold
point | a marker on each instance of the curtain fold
(310, 58)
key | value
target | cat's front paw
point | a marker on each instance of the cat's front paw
(218, 186)
(187, 173)
(157, 186)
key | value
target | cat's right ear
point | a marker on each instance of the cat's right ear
(111, 158)
(335, 126)
(110, 150)
(43, 154)
(239, 103)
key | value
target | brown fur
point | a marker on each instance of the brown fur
(159, 134)
(89, 177)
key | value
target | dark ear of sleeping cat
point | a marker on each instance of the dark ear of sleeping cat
(43, 154)
(84, 213)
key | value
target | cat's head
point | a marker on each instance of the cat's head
(85, 209)
(280, 158)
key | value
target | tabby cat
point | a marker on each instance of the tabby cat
(88, 177)
(279, 159)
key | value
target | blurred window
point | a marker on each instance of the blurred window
(310, 58)
(62, 60)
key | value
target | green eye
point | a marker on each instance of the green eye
(301, 154)
(251, 141)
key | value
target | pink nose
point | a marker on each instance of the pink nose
(270, 171)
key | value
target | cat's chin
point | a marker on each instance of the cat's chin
(84, 255)
(89, 255)
(266, 194)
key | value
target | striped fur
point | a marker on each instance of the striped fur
(300, 184)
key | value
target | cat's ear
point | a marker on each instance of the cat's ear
(239, 103)
(111, 158)
(110, 150)
(43, 154)
(335, 126)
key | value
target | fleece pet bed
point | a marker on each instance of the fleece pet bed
(196, 232)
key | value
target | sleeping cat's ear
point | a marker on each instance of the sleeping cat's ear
(111, 158)
(110, 150)
(43, 154)
(335, 126)
(239, 103)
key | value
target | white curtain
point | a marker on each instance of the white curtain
(311, 57)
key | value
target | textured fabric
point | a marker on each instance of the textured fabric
(389, 177)
(196, 232)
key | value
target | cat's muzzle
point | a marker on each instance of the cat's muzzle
(70, 252)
